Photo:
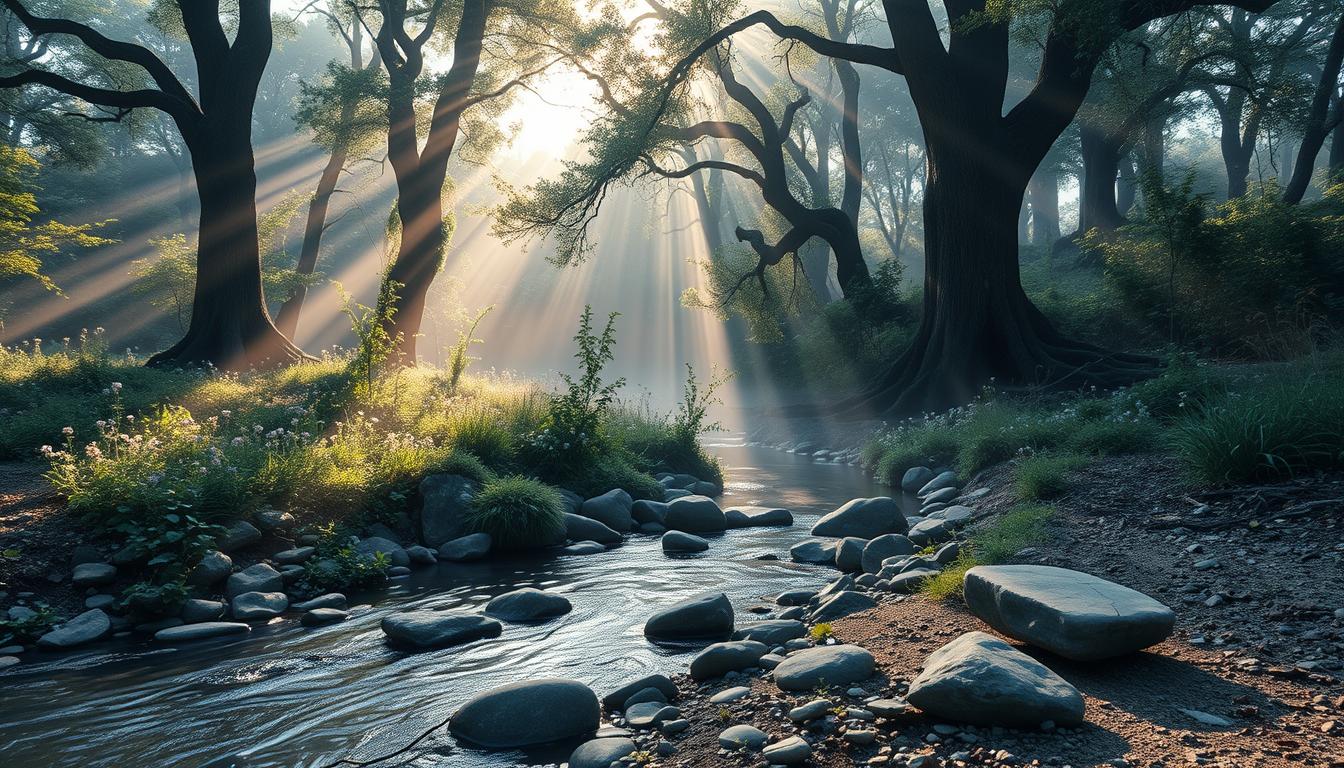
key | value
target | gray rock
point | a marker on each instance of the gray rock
(751, 517)
(842, 604)
(812, 710)
(729, 695)
(644, 696)
(672, 494)
(215, 566)
(694, 514)
(678, 542)
(272, 520)
(882, 547)
(842, 584)
(849, 553)
(645, 511)
(742, 737)
(257, 578)
(947, 553)
(94, 574)
(705, 488)
(721, 658)
(421, 556)
(254, 606)
(238, 535)
(864, 518)
(580, 528)
(916, 478)
(652, 529)
(102, 602)
(979, 679)
(616, 699)
(601, 753)
(830, 665)
(707, 617)
(957, 514)
(790, 751)
(329, 600)
(890, 708)
(320, 617)
(200, 631)
(943, 480)
(814, 551)
(374, 545)
(650, 714)
(446, 499)
(910, 581)
(436, 629)
(196, 611)
(770, 660)
(527, 604)
(795, 597)
(8, 661)
(571, 500)
(931, 531)
(773, 632)
(85, 628)
(1207, 718)
(526, 713)
(294, 556)
(473, 546)
(941, 496)
(584, 548)
(1073, 614)
(612, 509)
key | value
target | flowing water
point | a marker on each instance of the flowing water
(284, 695)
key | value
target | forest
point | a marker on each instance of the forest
(672, 383)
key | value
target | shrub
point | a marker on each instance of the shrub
(615, 470)
(949, 581)
(150, 600)
(27, 630)
(518, 513)
(1043, 476)
(821, 632)
(337, 566)
(1113, 436)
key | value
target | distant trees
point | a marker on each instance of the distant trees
(24, 241)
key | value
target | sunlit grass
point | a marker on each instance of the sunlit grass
(997, 542)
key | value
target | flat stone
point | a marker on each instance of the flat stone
(679, 542)
(294, 556)
(814, 551)
(85, 628)
(812, 710)
(616, 699)
(195, 611)
(256, 606)
(650, 714)
(694, 514)
(319, 617)
(522, 605)
(94, 574)
(910, 582)
(931, 530)
(707, 617)
(584, 548)
(890, 708)
(527, 712)
(940, 496)
(580, 528)
(257, 578)
(721, 658)
(329, 600)
(1070, 613)
(842, 604)
(829, 664)
(751, 517)
(742, 737)
(645, 695)
(436, 629)
(772, 632)
(729, 695)
(795, 597)
(200, 631)
(601, 753)
(864, 518)
(101, 602)
(979, 679)
(939, 482)
(790, 751)
(883, 547)
(957, 514)
(473, 546)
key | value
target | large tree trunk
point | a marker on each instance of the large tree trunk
(1097, 206)
(1127, 189)
(1044, 208)
(1318, 117)
(419, 257)
(287, 318)
(1337, 150)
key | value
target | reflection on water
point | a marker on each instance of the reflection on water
(288, 696)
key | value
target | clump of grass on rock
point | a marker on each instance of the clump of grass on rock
(518, 513)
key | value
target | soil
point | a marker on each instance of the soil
(38, 538)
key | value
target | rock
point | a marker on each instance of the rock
(650, 714)
(238, 535)
(473, 546)
(704, 488)
(200, 631)
(795, 597)
(644, 696)
(931, 531)
(445, 500)
(672, 494)
(423, 555)
(527, 605)
(694, 514)
(882, 547)
(1206, 718)
(729, 695)
(214, 567)
(790, 751)
(196, 611)
(812, 710)
(1073, 614)
(678, 542)
(956, 514)
(842, 584)
(742, 737)
(979, 679)
(101, 602)
(612, 509)
(319, 617)
(652, 529)
(910, 581)
(947, 553)
(773, 632)
(849, 553)
(294, 556)
(601, 753)
(84, 553)
(941, 496)
(436, 629)
(85, 628)
(864, 518)
(257, 578)
(254, 606)
(707, 617)
(94, 574)
(571, 500)
(645, 511)
(751, 517)
(831, 665)
(916, 478)
(527, 712)
(329, 600)
(616, 699)
(8, 661)
(939, 482)
(842, 604)
(584, 548)
(890, 708)
(721, 658)
(374, 545)
(814, 551)
(273, 520)
(580, 528)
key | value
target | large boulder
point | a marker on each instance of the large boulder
(814, 551)
(645, 511)
(255, 606)
(473, 546)
(915, 478)
(773, 632)
(1073, 614)
(612, 509)
(707, 617)
(238, 535)
(445, 500)
(84, 628)
(527, 604)
(940, 481)
(849, 553)
(580, 528)
(527, 712)
(374, 545)
(832, 665)
(842, 604)
(437, 629)
(214, 567)
(978, 678)
(751, 517)
(883, 547)
(721, 658)
(864, 518)
(601, 753)
(257, 578)
(678, 542)
(694, 514)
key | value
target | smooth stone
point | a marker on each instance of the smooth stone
(473, 546)
(257, 578)
(580, 528)
(694, 514)
(672, 494)
(812, 710)
(910, 581)
(254, 606)
(706, 617)
(421, 555)
(721, 658)
(942, 480)
(272, 520)
(947, 553)
(294, 556)
(612, 509)
(979, 679)
(200, 631)
(770, 661)
(678, 542)
(85, 628)
(93, 574)
(861, 738)
(616, 699)
(916, 478)
(827, 664)
(647, 512)
(195, 611)
(842, 604)
(237, 535)
(673, 727)
(849, 553)
(435, 629)
(742, 737)
(772, 632)
(864, 518)
(527, 712)
(956, 514)
(652, 529)
(1070, 613)
(842, 584)
(394, 552)
(814, 551)
(329, 600)
(650, 714)
(527, 605)
(646, 695)
(752, 517)
(445, 501)
(214, 567)
(790, 751)
(931, 531)
(319, 617)
(101, 602)
(583, 548)
(8, 661)
(940, 496)
(890, 708)
(795, 597)
(883, 547)
(601, 753)
(729, 695)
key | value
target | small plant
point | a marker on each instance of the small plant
(949, 582)
(1044, 475)
(337, 566)
(1018, 528)
(458, 359)
(518, 512)
(725, 714)
(821, 632)
(573, 430)
(688, 421)
(370, 325)
(28, 628)
(149, 599)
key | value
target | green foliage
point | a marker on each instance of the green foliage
(151, 600)
(337, 566)
(518, 513)
(1020, 527)
(458, 359)
(347, 110)
(28, 629)
(1044, 475)
(615, 470)
(949, 581)
(370, 326)
(821, 632)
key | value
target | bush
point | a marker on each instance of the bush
(616, 470)
(518, 513)
(336, 566)
(1043, 476)
(29, 629)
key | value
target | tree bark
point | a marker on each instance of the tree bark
(314, 226)
(1313, 136)
(1337, 147)
(1044, 208)
(1097, 204)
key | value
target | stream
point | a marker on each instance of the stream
(283, 695)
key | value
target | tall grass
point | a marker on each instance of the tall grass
(518, 512)
(1020, 527)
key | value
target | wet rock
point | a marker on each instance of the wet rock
(215, 566)
(612, 509)
(864, 518)
(584, 548)
(257, 578)
(238, 535)
(85, 628)
(772, 632)
(421, 556)
(814, 551)
(849, 553)
(979, 679)
(616, 699)
(200, 631)
(463, 549)
(750, 517)
(678, 542)
(939, 482)
(94, 574)
(1073, 614)
(645, 511)
(294, 556)
(842, 604)
(790, 751)
(256, 606)
(916, 478)
(320, 617)
(742, 737)
(446, 499)
(694, 514)
(527, 604)
(437, 629)
(329, 600)
(375, 545)
(707, 617)
(931, 531)
(883, 547)
(580, 528)
(196, 611)
(526, 713)
(721, 658)
(601, 753)
(830, 664)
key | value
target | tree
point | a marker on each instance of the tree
(22, 240)
(1321, 119)
(230, 327)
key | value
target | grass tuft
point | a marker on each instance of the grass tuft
(518, 513)
(1045, 475)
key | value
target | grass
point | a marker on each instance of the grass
(1044, 475)
(517, 512)
(1020, 527)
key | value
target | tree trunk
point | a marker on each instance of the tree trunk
(1097, 207)
(1127, 189)
(287, 319)
(1337, 150)
(1044, 208)
(1317, 121)
(1024, 217)
(419, 257)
